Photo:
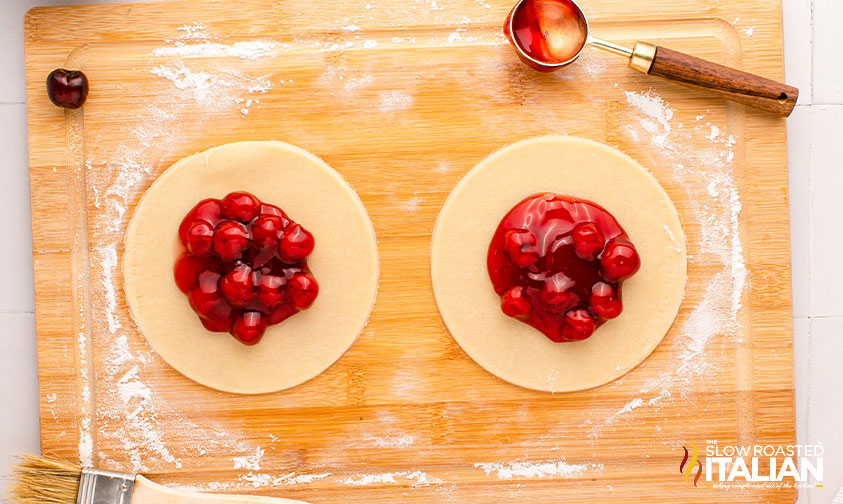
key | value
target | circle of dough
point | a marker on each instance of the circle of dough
(344, 262)
(513, 350)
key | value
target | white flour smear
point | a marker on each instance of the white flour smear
(214, 90)
(258, 480)
(214, 86)
(631, 405)
(244, 50)
(196, 41)
(392, 441)
(251, 462)
(393, 101)
(193, 31)
(443, 167)
(418, 478)
(305, 478)
(86, 439)
(410, 205)
(528, 470)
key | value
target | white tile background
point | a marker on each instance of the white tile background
(813, 41)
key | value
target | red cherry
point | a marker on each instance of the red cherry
(619, 260)
(588, 240)
(237, 285)
(270, 290)
(515, 304)
(206, 298)
(207, 210)
(296, 244)
(267, 230)
(200, 238)
(266, 209)
(302, 290)
(557, 294)
(520, 246)
(187, 271)
(604, 301)
(280, 313)
(248, 328)
(240, 206)
(578, 325)
(67, 88)
(230, 240)
(216, 326)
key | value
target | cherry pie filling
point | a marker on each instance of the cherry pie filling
(558, 264)
(244, 265)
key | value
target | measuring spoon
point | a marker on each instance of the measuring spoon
(550, 34)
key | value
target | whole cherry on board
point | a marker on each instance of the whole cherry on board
(67, 88)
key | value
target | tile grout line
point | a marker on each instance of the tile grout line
(808, 397)
(811, 48)
(810, 247)
(829, 104)
(807, 358)
(810, 113)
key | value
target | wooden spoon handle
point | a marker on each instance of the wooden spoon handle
(720, 80)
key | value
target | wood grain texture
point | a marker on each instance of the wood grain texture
(405, 397)
(728, 83)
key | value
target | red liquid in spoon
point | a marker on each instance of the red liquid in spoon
(549, 31)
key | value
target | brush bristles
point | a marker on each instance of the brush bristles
(44, 480)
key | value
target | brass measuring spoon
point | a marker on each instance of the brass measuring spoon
(550, 34)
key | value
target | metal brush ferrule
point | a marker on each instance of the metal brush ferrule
(98, 486)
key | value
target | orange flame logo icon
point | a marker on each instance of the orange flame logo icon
(686, 467)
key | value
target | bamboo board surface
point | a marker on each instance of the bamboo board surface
(402, 98)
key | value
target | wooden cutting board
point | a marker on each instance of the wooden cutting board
(403, 97)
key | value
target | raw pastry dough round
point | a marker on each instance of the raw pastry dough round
(345, 263)
(576, 167)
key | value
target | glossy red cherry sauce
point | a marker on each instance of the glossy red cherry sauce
(244, 265)
(558, 263)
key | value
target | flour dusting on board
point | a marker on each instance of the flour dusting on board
(657, 116)
(392, 441)
(212, 89)
(395, 100)
(305, 478)
(418, 478)
(251, 462)
(708, 179)
(244, 50)
(550, 468)
(209, 82)
(706, 175)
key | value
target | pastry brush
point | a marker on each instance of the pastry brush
(49, 480)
